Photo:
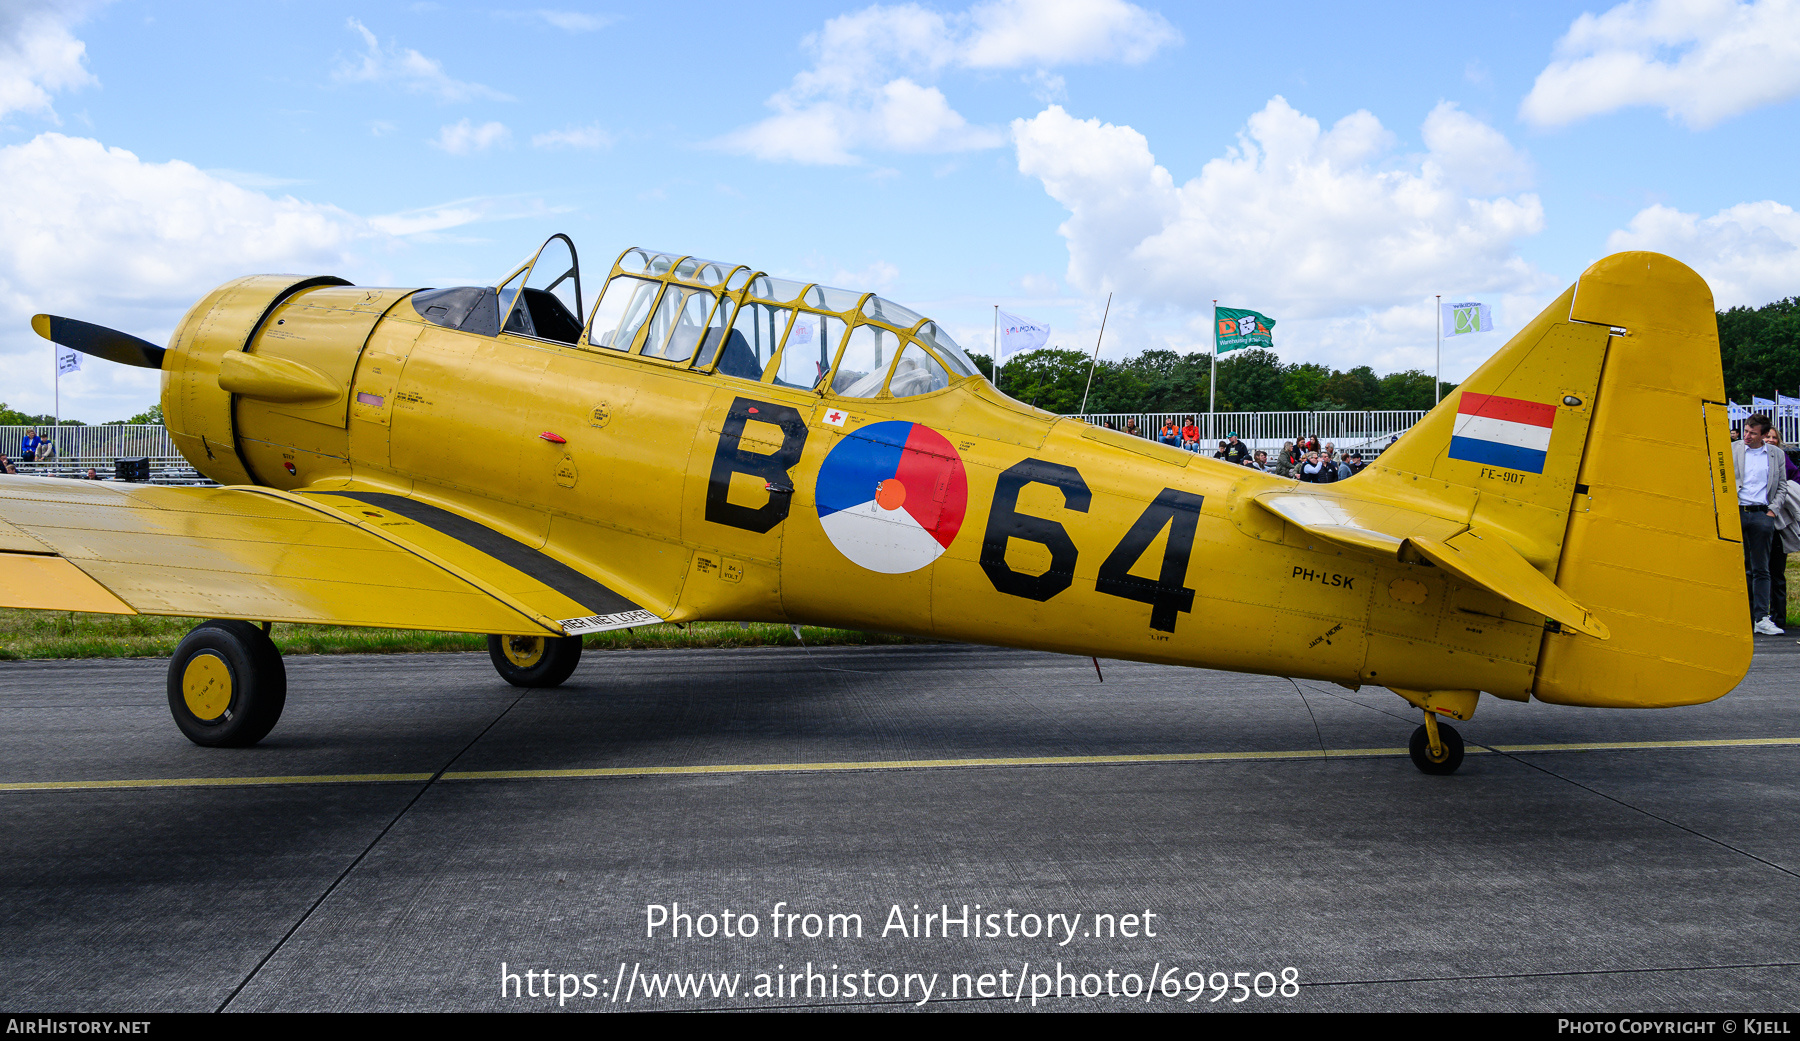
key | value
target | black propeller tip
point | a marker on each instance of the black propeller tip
(99, 341)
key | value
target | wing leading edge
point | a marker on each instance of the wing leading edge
(344, 558)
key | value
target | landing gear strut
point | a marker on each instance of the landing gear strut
(227, 684)
(534, 661)
(1436, 747)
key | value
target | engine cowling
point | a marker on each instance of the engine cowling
(258, 379)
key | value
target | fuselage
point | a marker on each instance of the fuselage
(703, 495)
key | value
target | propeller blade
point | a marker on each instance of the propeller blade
(98, 341)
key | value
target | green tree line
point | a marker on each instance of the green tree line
(1760, 350)
(1168, 381)
(13, 418)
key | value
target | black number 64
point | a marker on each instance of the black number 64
(1168, 594)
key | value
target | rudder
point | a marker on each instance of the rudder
(1595, 444)
(1654, 544)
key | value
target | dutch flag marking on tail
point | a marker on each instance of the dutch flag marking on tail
(1504, 432)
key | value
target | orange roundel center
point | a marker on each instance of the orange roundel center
(890, 494)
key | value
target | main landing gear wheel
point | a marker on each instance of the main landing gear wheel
(1450, 752)
(534, 661)
(227, 684)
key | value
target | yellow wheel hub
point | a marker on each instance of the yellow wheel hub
(524, 651)
(206, 686)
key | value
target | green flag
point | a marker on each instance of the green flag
(1242, 329)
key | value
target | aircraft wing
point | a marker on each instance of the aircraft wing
(361, 558)
(1400, 534)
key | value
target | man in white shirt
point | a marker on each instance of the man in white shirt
(1762, 482)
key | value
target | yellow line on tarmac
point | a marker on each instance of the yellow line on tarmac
(876, 764)
(210, 782)
(1607, 746)
(909, 764)
(1070, 760)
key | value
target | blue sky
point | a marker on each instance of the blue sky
(1330, 166)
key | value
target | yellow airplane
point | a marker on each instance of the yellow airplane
(699, 440)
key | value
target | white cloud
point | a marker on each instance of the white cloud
(1302, 222)
(95, 233)
(1748, 253)
(1701, 61)
(409, 69)
(39, 56)
(575, 21)
(1008, 34)
(589, 137)
(567, 21)
(251, 179)
(1047, 87)
(879, 277)
(83, 222)
(1472, 153)
(425, 221)
(820, 133)
(1403, 335)
(98, 234)
(463, 137)
(869, 86)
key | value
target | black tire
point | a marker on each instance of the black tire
(534, 661)
(227, 684)
(1420, 747)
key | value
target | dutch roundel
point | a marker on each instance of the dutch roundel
(892, 495)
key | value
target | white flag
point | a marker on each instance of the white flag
(1786, 407)
(1762, 405)
(67, 361)
(1735, 412)
(1467, 318)
(1018, 335)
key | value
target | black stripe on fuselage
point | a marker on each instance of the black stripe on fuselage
(596, 598)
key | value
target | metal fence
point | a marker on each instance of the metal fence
(80, 448)
(1788, 425)
(100, 442)
(1364, 432)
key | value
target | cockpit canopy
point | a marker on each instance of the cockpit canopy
(703, 314)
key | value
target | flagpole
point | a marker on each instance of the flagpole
(56, 431)
(996, 346)
(1437, 319)
(1212, 384)
(1096, 362)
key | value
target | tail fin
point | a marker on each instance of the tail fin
(1596, 444)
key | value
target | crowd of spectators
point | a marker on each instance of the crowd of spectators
(1306, 460)
(36, 448)
(1769, 506)
(32, 447)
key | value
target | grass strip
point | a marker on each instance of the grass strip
(72, 634)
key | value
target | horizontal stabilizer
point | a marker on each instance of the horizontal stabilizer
(98, 341)
(1411, 537)
(1497, 567)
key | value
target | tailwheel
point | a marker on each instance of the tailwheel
(227, 684)
(534, 661)
(1436, 747)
